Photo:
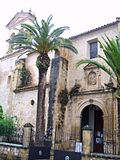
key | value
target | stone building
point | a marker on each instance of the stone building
(75, 97)
(18, 95)
(91, 103)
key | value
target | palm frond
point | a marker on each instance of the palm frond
(24, 51)
(30, 28)
(41, 37)
(103, 67)
(49, 19)
(57, 32)
(37, 26)
(27, 47)
(111, 49)
(69, 47)
(113, 68)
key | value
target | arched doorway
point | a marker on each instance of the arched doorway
(92, 115)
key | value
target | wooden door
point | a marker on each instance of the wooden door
(98, 131)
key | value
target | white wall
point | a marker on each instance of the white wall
(81, 43)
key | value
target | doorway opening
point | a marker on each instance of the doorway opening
(92, 116)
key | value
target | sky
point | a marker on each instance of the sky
(79, 15)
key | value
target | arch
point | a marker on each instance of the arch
(91, 113)
(90, 102)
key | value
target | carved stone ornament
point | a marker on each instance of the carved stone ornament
(92, 78)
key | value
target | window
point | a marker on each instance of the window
(93, 49)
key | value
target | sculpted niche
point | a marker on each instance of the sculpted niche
(92, 77)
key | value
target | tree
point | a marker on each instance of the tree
(41, 38)
(8, 124)
(111, 59)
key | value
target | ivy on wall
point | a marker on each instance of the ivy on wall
(25, 77)
(74, 90)
(64, 97)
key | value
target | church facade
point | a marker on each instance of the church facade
(75, 97)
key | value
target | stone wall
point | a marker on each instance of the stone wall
(13, 152)
(99, 157)
(10, 151)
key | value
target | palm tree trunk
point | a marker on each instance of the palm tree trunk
(43, 62)
(40, 121)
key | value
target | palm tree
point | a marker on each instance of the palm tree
(41, 38)
(111, 50)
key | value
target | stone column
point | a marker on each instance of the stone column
(27, 135)
(87, 140)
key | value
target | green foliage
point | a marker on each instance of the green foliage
(8, 124)
(1, 112)
(63, 97)
(41, 38)
(74, 90)
(25, 77)
(43, 61)
(111, 50)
